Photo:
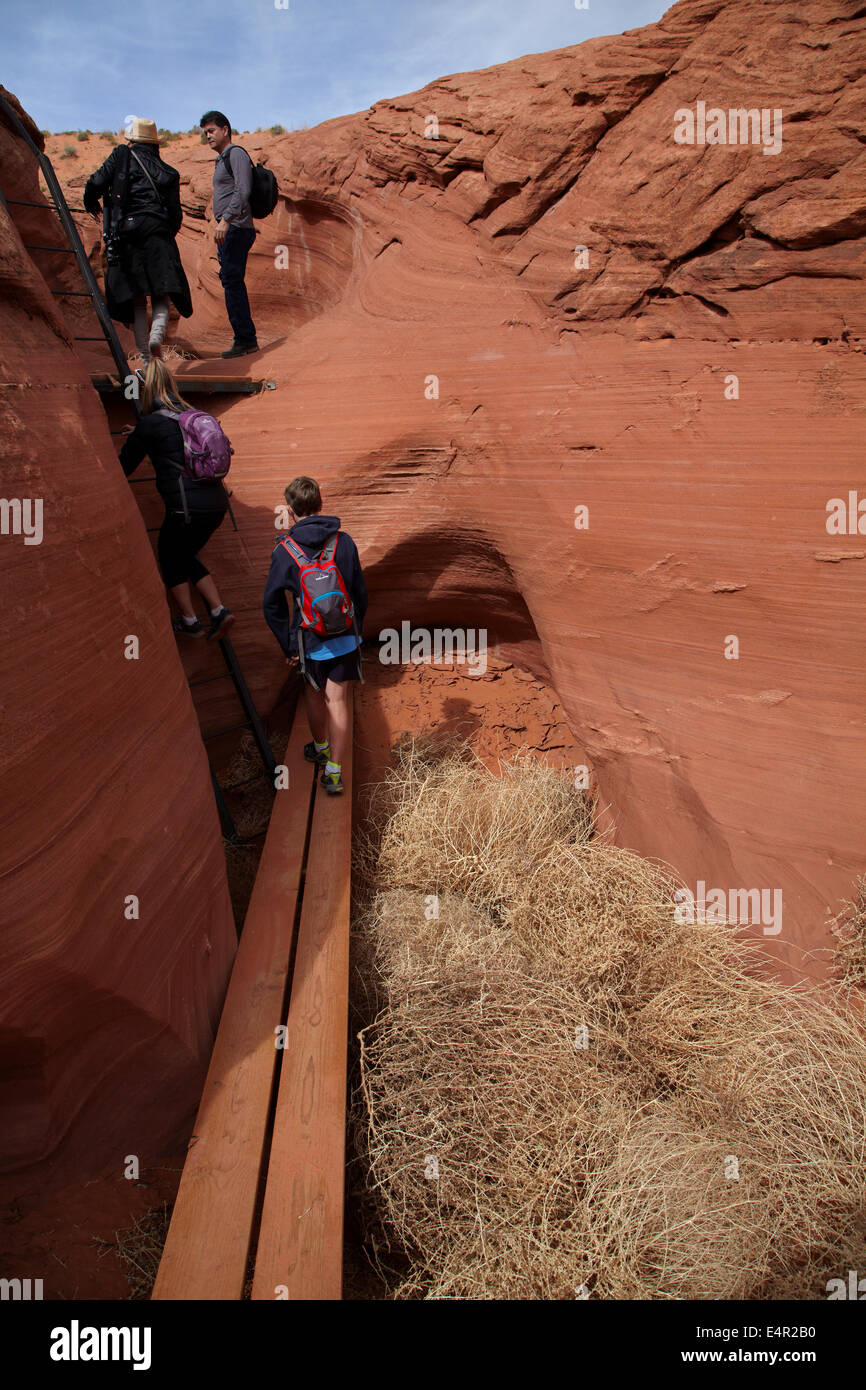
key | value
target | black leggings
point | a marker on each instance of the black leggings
(179, 543)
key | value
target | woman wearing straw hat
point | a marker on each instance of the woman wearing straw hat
(142, 215)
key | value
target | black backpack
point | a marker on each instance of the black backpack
(264, 192)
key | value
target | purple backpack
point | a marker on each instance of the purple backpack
(207, 452)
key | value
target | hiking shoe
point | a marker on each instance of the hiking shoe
(240, 349)
(187, 629)
(220, 624)
(312, 754)
(332, 782)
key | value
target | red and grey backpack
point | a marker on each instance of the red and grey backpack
(325, 606)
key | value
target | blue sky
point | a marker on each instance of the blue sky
(87, 64)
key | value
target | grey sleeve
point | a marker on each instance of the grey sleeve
(242, 172)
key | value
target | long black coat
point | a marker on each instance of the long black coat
(150, 263)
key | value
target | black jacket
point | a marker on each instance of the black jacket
(161, 438)
(140, 197)
(310, 533)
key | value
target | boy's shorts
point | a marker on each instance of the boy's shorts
(335, 668)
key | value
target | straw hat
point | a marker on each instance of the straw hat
(137, 128)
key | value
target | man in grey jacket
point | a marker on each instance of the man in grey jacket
(235, 232)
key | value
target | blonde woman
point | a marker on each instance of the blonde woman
(142, 216)
(185, 529)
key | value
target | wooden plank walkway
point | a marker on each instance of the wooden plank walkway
(250, 1151)
(300, 1248)
(207, 1249)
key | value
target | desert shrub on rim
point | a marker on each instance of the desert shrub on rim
(615, 1102)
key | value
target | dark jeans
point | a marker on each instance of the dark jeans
(232, 254)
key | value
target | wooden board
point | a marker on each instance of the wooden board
(239, 364)
(194, 384)
(300, 1248)
(208, 1242)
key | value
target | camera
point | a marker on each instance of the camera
(112, 248)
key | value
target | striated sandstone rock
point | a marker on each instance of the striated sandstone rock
(106, 1020)
(608, 386)
(501, 709)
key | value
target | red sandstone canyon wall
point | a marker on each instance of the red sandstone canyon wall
(462, 378)
(107, 1008)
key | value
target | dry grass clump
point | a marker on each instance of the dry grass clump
(849, 928)
(563, 1090)
(139, 1249)
(251, 805)
(476, 839)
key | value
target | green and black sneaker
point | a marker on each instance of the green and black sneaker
(332, 781)
(313, 755)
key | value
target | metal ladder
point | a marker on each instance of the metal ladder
(75, 248)
(253, 723)
(57, 202)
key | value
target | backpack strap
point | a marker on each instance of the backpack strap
(143, 168)
(327, 553)
(227, 162)
(329, 549)
(179, 466)
(295, 551)
(172, 415)
(300, 559)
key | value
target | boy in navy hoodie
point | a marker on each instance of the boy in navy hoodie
(331, 661)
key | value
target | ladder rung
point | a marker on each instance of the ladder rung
(203, 680)
(99, 339)
(22, 203)
(79, 294)
(230, 730)
(32, 246)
